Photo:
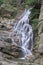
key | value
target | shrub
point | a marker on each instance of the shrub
(1, 2)
(34, 13)
(35, 23)
(31, 2)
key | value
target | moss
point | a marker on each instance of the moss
(34, 23)
(31, 2)
(34, 16)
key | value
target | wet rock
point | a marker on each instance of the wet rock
(17, 38)
(9, 40)
(17, 51)
(16, 48)
(13, 51)
(16, 54)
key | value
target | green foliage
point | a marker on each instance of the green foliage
(34, 13)
(31, 2)
(34, 23)
(10, 6)
(1, 2)
(34, 16)
(35, 26)
(8, 9)
(14, 3)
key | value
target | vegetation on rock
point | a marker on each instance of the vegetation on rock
(9, 8)
(34, 17)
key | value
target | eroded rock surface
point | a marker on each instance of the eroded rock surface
(40, 49)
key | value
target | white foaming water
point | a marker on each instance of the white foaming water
(24, 28)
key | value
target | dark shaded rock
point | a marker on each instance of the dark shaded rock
(3, 27)
(16, 54)
(17, 51)
(13, 51)
(9, 40)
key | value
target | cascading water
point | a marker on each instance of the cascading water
(24, 28)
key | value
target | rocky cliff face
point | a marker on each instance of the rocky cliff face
(41, 30)
(9, 51)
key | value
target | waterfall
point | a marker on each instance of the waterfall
(25, 29)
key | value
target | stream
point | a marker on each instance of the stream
(23, 28)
